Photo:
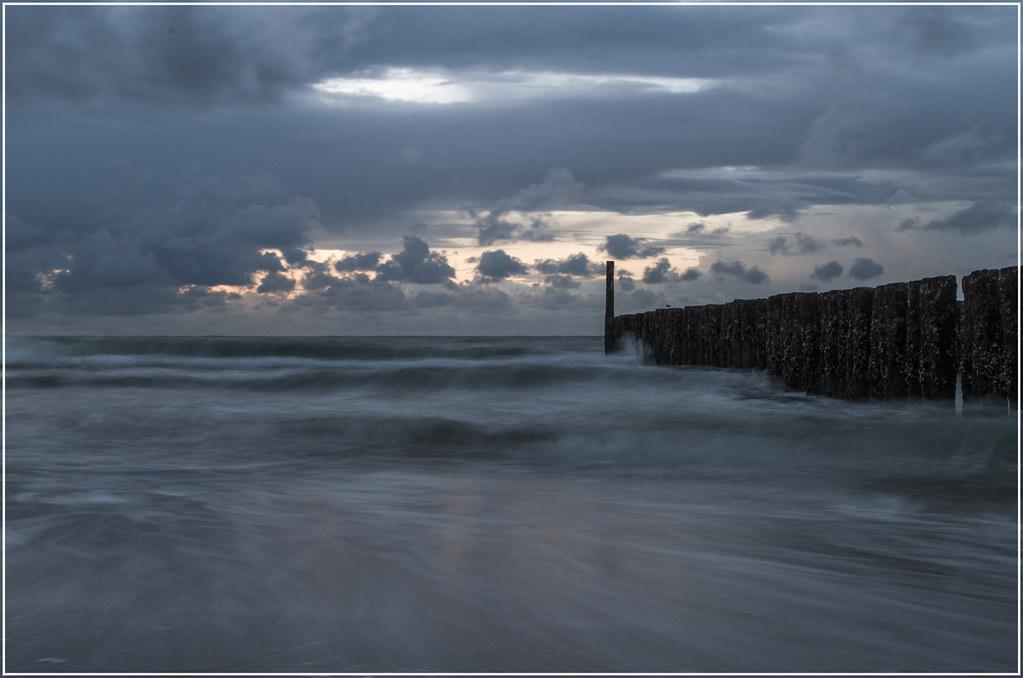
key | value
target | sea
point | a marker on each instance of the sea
(489, 504)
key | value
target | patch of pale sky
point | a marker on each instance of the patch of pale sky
(421, 86)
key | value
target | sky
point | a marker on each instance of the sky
(468, 170)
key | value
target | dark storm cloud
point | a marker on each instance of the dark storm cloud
(557, 187)
(560, 281)
(416, 264)
(362, 261)
(236, 54)
(643, 299)
(625, 281)
(276, 282)
(828, 271)
(361, 293)
(359, 181)
(466, 298)
(689, 274)
(848, 241)
(552, 299)
(498, 264)
(977, 218)
(966, 147)
(800, 243)
(100, 273)
(155, 151)
(865, 268)
(295, 255)
(210, 235)
(195, 55)
(786, 211)
(699, 236)
(622, 246)
(357, 293)
(575, 264)
(662, 272)
(494, 228)
(700, 230)
(740, 271)
(244, 52)
(938, 33)
(208, 242)
(105, 261)
(658, 273)
(713, 190)
(317, 275)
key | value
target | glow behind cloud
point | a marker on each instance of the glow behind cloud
(418, 86)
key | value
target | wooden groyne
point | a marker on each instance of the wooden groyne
(901, 340)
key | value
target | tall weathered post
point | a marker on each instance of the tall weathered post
(981, 337)
(609, 309)
(1008, 279)
(989, 345)
(938, 357)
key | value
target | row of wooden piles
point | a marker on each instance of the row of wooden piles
(901, 340)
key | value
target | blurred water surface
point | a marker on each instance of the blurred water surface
(488, 504)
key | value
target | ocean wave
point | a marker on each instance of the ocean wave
(36, 350)
(397, 376)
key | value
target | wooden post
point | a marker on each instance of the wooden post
(938, 357)
(609, 309)
(806, 341)
(760, 333)
(982, 337)
(860, 309)
(887, 365)
(1007, 280)
(911, 355)
(834, 344)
